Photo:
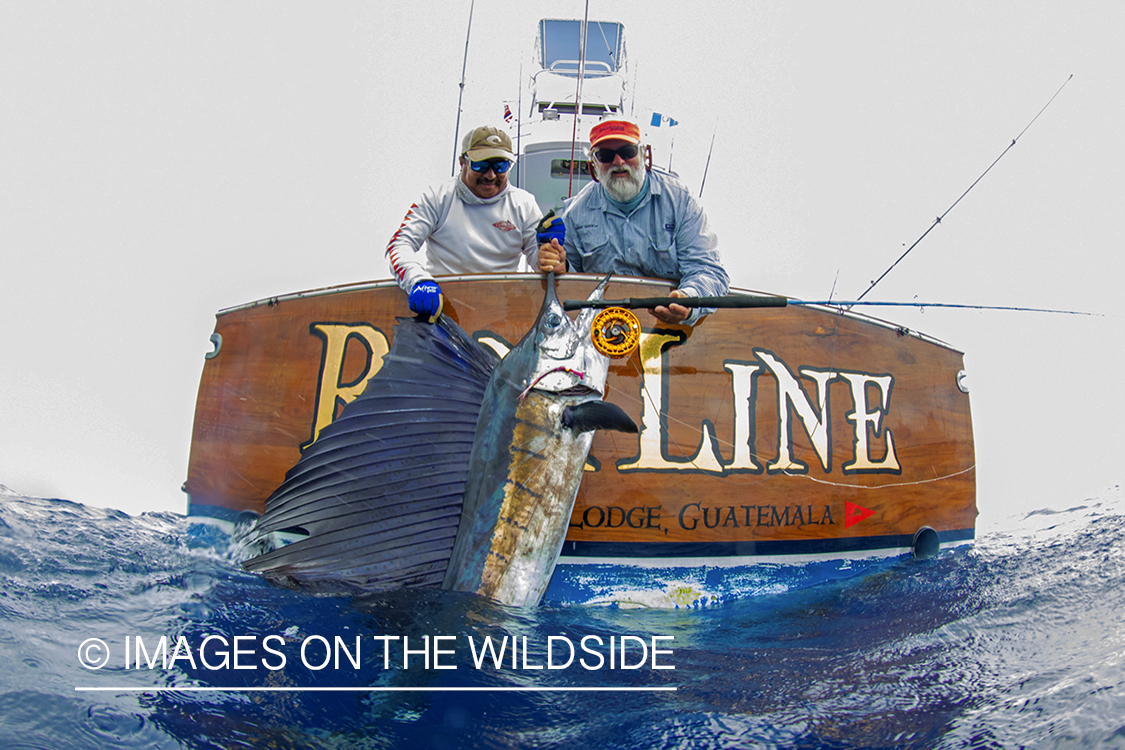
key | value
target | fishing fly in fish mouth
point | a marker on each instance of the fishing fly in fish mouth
(568, 361)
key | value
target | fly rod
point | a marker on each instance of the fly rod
(647, 303)
(751, 301)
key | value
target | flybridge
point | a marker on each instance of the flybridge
(560, 41)
(559, 56)
(551, 164)
(569, 93)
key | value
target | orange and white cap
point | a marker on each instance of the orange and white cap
(621, 130)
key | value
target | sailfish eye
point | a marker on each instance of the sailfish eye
(552, 321)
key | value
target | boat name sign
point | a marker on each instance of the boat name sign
(870, 403)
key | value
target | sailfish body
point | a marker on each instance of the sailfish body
(451, 468)
(527, 462)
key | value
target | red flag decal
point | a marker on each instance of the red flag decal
(853, 513)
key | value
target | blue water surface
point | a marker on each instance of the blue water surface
(1016, 642)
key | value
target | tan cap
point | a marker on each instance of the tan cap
(487, 142)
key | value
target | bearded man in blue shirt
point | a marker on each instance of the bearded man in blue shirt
(637, 222)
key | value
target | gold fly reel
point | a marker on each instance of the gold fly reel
(616, 332)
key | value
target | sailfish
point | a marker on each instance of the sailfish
(453, 468)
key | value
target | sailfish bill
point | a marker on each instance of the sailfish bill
(451, 468)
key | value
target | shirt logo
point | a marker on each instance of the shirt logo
(504, 226)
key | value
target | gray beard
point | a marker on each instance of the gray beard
(621, 190)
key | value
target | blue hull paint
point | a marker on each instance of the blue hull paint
(690, 575)
(713, 581)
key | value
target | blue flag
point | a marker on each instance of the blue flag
(659, 120)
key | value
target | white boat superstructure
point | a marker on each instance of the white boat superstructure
(568, 95)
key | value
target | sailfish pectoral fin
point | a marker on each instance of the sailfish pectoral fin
(597, 415)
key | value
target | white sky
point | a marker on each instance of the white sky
(161, 161)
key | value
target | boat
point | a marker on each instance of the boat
(790, 442)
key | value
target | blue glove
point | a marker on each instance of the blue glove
(550, 227)
(425, 299)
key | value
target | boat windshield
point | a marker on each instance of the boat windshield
(559, 47)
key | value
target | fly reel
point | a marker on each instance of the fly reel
(616, 332)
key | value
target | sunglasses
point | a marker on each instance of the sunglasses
(499, 167)
(605, 155)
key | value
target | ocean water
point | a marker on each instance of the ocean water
(1016, 642)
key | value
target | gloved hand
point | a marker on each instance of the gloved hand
(550, 227)
(425, 299)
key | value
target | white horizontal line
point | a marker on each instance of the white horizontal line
(677, 563)
(189, 689)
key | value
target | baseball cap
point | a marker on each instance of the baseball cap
(487, 142)
(622, 130)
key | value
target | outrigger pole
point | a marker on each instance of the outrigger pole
(578, 95)
(707, 166)
(519, 128)
(460, 96)
(990, 166)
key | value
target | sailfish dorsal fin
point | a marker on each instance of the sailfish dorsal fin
(379, 493)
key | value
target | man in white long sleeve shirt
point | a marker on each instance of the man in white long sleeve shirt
(474, 223)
